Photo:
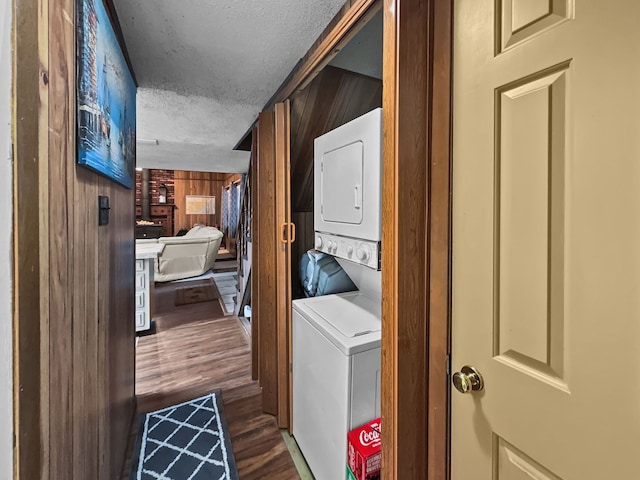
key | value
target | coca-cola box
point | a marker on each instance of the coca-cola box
(363, 451)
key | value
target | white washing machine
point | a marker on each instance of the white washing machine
(336, 375)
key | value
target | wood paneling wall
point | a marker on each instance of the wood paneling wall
(199, 183)
(75, 281)
(196, 183)
(333, 98)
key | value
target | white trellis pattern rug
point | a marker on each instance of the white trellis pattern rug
(189, 441)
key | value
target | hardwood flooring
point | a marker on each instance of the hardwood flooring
(197, 349)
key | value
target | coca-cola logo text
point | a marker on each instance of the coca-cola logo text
(369, 438)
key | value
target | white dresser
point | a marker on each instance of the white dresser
(146, 253)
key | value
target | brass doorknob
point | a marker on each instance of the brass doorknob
(468, 380)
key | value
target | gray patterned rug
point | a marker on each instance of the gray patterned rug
(189, 441)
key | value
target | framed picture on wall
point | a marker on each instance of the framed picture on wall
(200, 205)
(106, 97)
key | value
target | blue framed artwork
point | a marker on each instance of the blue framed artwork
(106, 98)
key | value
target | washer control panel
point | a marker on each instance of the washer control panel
(364, 252)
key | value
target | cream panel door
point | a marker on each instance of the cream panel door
(546, 239)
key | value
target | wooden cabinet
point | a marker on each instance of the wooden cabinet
(162, 214)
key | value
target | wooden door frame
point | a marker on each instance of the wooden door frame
(271, 279)
(416, 215)
(416, 242)
(283, 261)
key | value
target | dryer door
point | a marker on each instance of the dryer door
(347, 179)
(341, 184)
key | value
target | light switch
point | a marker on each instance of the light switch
(103, 210)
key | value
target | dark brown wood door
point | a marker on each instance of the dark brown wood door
(271, 289)
(265, 238)
(286, 235)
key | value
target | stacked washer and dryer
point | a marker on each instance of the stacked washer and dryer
(336, 338)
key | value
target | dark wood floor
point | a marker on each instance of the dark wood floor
(195, 350)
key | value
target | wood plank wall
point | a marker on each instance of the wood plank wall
(198, 183)
(195, 183)
(333, 98)
(79, 344)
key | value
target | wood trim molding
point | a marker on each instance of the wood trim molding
(406, 106)
(389, 366)
(416, 209)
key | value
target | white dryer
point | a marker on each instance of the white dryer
(336, 375)
(347, 189)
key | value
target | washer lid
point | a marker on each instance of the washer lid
(352, 315)
(351, 321)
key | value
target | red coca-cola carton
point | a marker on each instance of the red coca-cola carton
(363, 451)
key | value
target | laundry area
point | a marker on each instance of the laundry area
(336, 335)
(316, 176)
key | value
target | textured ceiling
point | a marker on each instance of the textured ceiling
(206, 68)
